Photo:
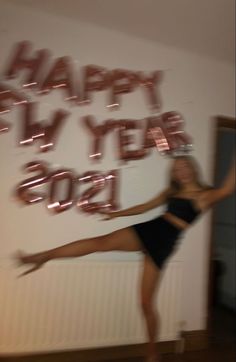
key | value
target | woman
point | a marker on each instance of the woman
(186, 199)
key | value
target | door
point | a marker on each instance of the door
(222, 283)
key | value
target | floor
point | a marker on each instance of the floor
(222, 346)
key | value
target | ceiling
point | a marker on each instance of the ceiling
(201, 26)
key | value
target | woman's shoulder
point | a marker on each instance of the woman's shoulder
(202, 191)
(206, 190)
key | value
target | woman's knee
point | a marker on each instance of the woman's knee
(147, 304)
(104, 243)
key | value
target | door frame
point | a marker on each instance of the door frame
(225, 123)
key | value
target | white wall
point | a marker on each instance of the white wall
(196, 86)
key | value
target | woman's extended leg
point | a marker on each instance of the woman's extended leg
(123, 239)
(149, 284)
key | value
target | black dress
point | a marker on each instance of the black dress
(159, 236)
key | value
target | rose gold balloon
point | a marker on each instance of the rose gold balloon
(23, 190)
(4, 126)
(177, 138)
(155, 135)
(94, 79)
(122, 82)
(99, 183)
(60, 76)
(112, 179)
(125, 139)
(148, 141)
(21, 61)
(98, 133)
(32, 130)
(151, 85)
(54, 204)
(9, 97)
(160, 139)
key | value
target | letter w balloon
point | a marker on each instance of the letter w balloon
(35, 130)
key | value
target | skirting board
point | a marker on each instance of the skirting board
(193, 340)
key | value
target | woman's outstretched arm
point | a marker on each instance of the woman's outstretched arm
(159, 200)
(225, 190)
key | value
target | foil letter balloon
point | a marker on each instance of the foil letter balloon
(151, 85)
(24, 191)
(60, 76)
(122, 82)
(8, 98)
(178, 139)
(55, 204)
(32, 130)
(21, 61)
(95, 79)
(112, 180)
(155, 135)
(98, 133)
(4, 126)
(100, 182)
(125, 139)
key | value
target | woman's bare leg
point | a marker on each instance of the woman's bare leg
(149, 284)
(124, 240)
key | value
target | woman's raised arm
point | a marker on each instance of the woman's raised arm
(225, 190)
(159, 200)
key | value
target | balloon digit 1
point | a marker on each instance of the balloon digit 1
(99, 183)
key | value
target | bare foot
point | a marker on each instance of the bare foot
(37, 260)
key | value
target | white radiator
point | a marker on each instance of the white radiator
(76, 304)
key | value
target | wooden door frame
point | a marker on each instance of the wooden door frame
(225, 123)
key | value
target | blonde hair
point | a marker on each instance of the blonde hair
(175, 186)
